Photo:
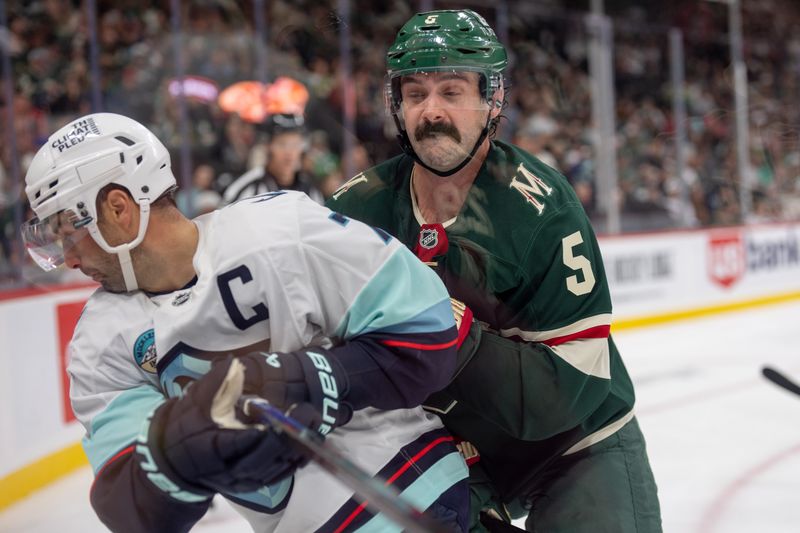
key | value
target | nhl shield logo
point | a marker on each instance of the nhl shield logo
(181, 299)
(726, 258)
(431, 242)
(429, 238)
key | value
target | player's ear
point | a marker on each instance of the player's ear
(121, 210)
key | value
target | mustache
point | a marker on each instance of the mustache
(430, 129)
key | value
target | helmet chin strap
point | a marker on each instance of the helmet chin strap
(123, 251)
(405, 144)
(128, 274)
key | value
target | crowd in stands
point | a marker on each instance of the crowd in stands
(549, 105)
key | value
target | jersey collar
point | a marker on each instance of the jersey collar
(417, 213)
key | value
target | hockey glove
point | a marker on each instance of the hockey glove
(311, 375)
(195, 446)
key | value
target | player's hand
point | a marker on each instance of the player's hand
(469, 334)
(311, 375)
(196, 445)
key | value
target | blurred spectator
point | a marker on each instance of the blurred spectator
(239, 140)
(321, 163)
(284, 147)
(200, 198)
(535, 135)
(550, 103)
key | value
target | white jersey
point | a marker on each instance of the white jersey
(274, 272)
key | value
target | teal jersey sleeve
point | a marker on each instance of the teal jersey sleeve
(118, 425)
(396, 322)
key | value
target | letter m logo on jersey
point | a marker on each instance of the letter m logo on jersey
(530, 186)
(726, 258)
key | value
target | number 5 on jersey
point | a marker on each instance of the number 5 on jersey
(577, 262)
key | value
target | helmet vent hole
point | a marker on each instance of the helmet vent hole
(466, 51)
(53, 184)
(139, 160)
(124, 140)
(122, 158)
(162, 166)
(426, 28)
(49, 196)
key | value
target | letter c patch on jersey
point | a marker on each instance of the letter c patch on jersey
(240, 276)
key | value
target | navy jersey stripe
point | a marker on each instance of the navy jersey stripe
(401, 471)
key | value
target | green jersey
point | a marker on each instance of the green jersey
(547, 379)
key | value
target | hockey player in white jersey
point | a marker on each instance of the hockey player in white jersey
(274, 296)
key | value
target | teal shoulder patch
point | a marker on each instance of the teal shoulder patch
(144, 351)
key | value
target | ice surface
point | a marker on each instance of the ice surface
(724, 443)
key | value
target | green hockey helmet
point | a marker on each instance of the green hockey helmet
(446, 40)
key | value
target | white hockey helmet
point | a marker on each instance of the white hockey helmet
(77, 161)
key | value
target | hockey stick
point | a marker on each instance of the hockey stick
(379, 497)
(781, 380)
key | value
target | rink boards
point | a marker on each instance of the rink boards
(654, 277)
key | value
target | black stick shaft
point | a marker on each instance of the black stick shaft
(780, 379)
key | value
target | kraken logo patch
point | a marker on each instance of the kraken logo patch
(144, 351)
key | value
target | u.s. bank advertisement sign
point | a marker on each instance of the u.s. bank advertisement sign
(652, 274)
(726, 257)
(736, 253)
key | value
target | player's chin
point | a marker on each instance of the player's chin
(444, 159)
(114, 286)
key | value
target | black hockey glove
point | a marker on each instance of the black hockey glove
(311, 375)
(195, 446)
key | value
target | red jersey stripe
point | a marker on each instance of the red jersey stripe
(394, 476)
(597, 332)
(124, 451)
(418, 346)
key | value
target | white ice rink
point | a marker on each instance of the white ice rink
(724, 443)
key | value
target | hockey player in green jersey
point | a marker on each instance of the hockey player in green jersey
(544, 405)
